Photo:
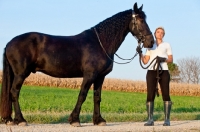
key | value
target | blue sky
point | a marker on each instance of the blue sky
(181, 20)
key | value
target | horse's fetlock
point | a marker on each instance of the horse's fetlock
(7, 120)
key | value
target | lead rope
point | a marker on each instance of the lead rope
(157, 69)
(158, 74)
(115, 54)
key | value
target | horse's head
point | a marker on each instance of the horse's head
(139, 28)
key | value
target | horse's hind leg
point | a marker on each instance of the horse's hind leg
(15, 91)
(97, 119)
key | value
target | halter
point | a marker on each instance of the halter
(140, 40)
(141, 37)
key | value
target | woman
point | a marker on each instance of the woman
(161, 50)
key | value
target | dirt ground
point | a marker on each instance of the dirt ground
(176, 126)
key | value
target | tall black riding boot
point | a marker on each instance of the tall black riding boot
(167, 109)
(150, 107)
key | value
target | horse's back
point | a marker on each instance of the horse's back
(58, 56)
(42, 52)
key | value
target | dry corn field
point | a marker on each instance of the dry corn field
(40, 79)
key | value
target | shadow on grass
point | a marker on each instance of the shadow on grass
(190, 112)
(85, 118)
(198, 117)
(183, 109)
(109, 117)
(158, 116)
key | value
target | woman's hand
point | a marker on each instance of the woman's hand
(162, 59)
(139, 50)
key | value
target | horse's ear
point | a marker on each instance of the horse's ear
(135, 8)
(140, 9)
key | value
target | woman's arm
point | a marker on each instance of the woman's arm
(169, 59)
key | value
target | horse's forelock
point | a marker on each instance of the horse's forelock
(142, 15)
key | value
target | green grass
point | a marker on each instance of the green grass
(53, 105)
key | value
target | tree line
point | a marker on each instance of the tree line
(187, 70)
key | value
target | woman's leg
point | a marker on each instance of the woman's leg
(151, 87)
(164, 84)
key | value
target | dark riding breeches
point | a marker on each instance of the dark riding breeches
(164, 84)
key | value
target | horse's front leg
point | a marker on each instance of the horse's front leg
(85, 86)
(97, 119)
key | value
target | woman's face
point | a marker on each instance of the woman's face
(159, 34)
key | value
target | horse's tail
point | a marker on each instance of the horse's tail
(7, 79)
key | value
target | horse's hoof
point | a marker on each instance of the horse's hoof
(76, 124)
(102, 124)
(10, 123)
(23, 124)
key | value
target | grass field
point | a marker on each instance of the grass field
(53, 105)
(111, 84)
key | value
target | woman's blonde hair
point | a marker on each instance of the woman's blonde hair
(160, 28)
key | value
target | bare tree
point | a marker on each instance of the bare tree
(189, 70)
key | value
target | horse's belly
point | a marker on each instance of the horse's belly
(62, 74)
(62, 70)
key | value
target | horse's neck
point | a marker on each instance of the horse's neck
(113, 31)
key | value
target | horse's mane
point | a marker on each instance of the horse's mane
(114, 23)
(117, 21)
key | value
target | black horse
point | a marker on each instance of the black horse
(83, 55)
